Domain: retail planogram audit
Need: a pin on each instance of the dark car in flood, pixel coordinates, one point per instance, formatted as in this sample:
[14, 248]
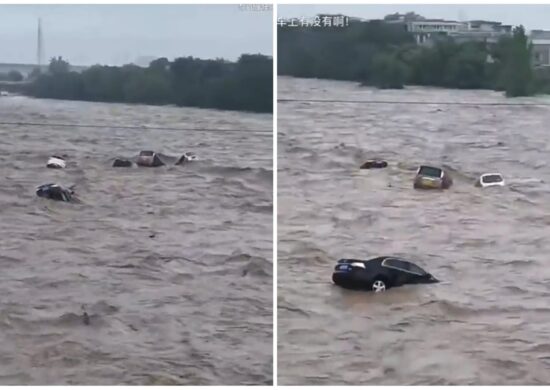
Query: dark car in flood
[429, 178]
[379, 274]
[55, 192]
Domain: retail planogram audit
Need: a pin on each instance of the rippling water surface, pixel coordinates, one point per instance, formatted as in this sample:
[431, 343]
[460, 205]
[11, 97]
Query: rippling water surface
[172, 264]
[489, 321]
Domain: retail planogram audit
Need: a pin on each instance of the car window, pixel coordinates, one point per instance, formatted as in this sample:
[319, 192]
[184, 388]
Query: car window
[416, 269]
[430, 171]
[492, 179]
[403, 265]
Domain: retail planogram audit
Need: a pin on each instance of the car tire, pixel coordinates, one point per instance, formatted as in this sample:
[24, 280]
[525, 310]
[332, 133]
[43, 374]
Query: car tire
[379, 284]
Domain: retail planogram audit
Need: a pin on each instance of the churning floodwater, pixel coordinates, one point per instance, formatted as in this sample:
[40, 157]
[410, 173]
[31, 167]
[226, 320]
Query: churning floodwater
[488, 322]
[172, 264]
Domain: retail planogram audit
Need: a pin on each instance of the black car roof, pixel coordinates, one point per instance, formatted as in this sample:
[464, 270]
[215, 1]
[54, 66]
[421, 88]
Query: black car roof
[374, 259]
[380, 261]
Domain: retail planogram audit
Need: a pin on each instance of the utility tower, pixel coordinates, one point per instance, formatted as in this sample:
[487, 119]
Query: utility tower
[39, 52]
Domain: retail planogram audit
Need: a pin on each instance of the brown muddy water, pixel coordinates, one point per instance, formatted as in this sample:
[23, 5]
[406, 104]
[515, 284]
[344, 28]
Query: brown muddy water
[488, 322]
[172, 264]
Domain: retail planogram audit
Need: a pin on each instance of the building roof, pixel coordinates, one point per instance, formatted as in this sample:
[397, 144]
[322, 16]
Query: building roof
[540, 34]
[485, 22]
[409, 16]
[436, 21]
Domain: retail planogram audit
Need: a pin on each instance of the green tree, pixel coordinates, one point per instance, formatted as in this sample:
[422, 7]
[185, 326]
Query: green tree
[517, 72]
[243, 85]
[35, 73]
[388, 72]
[15, 76]
[148, 87]
[466, 67]
[58, 66]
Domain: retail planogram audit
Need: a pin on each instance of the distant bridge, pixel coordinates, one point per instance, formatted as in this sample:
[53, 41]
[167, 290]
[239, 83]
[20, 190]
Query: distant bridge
[14, 86]
[26, 69]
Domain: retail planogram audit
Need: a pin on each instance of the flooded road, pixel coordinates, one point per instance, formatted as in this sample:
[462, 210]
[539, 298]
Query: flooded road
[172, 264]
[488, 322]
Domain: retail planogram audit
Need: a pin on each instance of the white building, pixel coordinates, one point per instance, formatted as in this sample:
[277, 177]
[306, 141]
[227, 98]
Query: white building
[483, 31]
[426, 31]
[540, 39]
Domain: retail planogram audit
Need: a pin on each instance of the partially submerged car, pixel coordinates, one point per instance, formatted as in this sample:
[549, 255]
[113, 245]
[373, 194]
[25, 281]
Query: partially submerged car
[429, 178]
[122, 163]
[490, 180]
[186, 157]
[56, 162]
[369, 164]
[379, 274]
[55, 192]
[148, 158]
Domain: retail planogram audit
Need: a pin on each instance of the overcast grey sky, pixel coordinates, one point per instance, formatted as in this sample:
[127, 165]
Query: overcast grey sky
[117, 34]
[531, 16]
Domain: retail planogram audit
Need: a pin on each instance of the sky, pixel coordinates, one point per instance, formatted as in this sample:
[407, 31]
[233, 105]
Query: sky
[120, 34]
[530, 16]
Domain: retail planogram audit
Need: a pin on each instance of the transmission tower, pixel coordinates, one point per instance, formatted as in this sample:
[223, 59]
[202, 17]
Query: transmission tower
[39, 45]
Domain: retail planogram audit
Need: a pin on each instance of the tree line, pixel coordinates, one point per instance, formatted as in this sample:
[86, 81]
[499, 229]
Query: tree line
[12, 75]
[246, 84]
[385, 55]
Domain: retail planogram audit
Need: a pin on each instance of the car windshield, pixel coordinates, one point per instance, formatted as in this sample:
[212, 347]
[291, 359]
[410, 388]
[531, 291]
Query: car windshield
[403, 265]
[146, 153]
[429, 171]
[492, 179]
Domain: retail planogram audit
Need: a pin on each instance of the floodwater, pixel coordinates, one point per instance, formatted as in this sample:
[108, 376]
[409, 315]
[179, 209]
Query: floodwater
[488, 322]
[173, 265]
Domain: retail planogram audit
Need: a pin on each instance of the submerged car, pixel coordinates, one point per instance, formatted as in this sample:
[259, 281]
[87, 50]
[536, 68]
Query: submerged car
[490, 180]
[55, 192]
[186, 157]
[428, 178]
[56, 162]
[148, 158]
[379, 274]
[374, 164]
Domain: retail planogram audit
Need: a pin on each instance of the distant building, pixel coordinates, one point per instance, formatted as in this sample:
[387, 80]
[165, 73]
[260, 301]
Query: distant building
[26, 69]
[540, 39]
[427, 31]
[483, 31]
[486, 26]
[402, 18]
